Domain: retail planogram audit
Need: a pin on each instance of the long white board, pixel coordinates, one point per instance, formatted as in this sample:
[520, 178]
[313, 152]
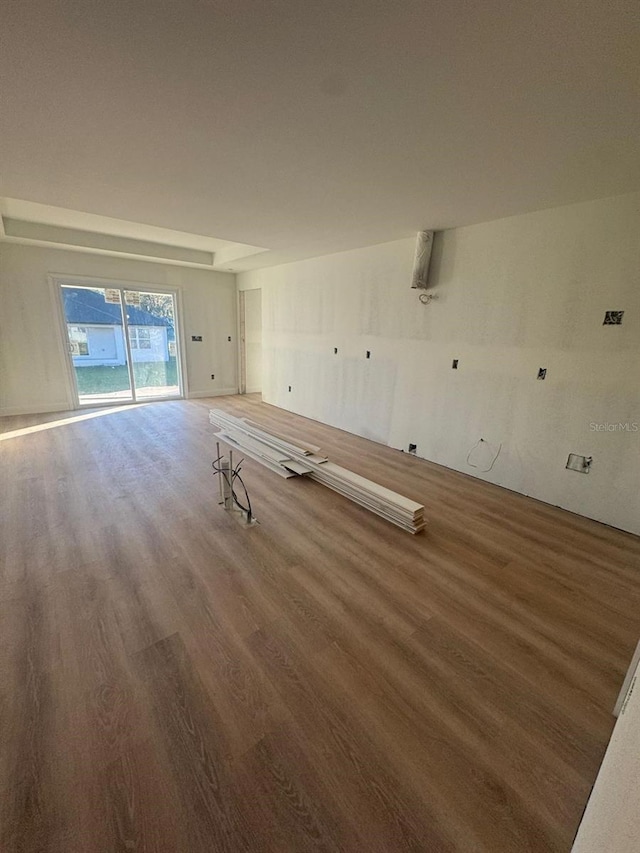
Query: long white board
[286, 457]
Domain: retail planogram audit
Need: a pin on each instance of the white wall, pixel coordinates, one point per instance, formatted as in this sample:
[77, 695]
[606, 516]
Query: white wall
[33, 376]
[513, 295]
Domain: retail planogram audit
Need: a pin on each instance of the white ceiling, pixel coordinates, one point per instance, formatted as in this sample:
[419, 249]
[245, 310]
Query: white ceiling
[309, 128]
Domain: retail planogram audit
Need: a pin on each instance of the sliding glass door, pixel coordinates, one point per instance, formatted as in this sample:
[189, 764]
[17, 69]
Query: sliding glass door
[122, 343]
[151, 321]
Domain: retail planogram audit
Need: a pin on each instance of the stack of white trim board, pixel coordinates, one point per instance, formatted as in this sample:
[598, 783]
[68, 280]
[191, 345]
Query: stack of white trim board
[289, 458]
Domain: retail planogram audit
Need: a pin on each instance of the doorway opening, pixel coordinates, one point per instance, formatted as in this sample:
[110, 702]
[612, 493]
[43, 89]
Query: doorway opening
[250, 341]
[123, 344]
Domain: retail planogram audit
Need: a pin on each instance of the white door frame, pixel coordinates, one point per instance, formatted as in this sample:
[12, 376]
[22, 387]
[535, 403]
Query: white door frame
[242, 354]
[58, 280]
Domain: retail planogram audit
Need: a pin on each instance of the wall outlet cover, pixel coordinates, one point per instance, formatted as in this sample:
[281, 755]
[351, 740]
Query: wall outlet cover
[582, 464]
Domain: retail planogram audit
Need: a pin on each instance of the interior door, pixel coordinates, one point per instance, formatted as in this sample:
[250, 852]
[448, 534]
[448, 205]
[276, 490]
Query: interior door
[251, 341]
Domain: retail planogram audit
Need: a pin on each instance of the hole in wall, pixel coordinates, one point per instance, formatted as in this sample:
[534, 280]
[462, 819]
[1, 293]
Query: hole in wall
[542, 373]
[454, 364]
[613, 318]
[582, 464]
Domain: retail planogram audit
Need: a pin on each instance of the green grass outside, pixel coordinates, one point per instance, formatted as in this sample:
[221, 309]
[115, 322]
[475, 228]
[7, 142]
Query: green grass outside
[107, 380]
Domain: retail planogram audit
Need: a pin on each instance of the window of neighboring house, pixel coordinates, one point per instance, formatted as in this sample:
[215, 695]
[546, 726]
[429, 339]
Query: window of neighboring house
[139, 338]
[78, 342]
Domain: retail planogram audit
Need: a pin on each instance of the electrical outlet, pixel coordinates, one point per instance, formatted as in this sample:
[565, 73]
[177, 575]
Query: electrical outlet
[289, 387]
[582, 464]
[213, 376]
[229, 338]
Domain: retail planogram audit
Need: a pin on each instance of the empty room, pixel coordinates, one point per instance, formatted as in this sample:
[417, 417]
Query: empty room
[320, 427]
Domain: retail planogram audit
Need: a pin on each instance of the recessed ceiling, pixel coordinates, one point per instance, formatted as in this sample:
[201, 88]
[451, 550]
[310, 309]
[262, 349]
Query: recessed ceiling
[40, 224]
[310, 128]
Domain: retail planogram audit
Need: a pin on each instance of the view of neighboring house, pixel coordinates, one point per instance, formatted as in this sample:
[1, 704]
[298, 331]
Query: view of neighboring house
[96, 332]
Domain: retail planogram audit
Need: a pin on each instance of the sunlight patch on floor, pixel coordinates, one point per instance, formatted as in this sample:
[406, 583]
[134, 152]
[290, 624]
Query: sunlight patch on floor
[16, 433]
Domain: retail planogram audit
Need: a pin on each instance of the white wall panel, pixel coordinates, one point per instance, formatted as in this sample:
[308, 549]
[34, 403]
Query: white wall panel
[33, 377]
[513, 295]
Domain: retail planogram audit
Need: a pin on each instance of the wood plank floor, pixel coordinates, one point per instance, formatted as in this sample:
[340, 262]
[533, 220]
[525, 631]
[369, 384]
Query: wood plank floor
[170, 681]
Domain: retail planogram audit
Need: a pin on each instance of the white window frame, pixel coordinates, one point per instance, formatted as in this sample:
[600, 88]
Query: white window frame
[83, 329]
[135, 340]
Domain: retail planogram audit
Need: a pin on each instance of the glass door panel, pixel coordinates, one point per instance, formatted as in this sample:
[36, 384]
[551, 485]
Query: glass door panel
[95, 331]
[153, 344]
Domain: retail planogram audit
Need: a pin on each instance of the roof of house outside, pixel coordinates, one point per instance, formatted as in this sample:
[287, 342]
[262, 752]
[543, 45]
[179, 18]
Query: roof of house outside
[85, 306]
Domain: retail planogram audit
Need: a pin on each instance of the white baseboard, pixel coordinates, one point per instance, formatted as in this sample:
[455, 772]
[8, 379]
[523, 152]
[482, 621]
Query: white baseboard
[7, 411]
[218, 392]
